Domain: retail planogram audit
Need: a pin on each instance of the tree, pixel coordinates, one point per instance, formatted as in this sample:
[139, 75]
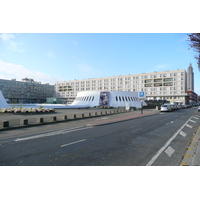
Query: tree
[194, 38]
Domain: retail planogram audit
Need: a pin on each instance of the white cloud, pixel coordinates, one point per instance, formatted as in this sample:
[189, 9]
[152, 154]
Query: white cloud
[8, 40]
[10, 71]
[51, 55]
[160, 67]
[74, 42]
[6, 36]
[86, 69]
[183, 39]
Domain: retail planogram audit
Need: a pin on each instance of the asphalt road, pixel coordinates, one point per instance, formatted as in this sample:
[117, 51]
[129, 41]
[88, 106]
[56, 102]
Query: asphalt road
[159, 140]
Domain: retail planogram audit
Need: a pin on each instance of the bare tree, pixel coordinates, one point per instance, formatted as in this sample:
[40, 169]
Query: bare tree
[194, 38]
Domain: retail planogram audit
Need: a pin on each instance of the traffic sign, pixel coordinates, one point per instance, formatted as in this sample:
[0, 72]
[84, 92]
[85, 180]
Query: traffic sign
[142, 95]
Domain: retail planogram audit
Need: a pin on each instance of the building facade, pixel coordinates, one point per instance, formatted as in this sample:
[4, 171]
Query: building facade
[26, 91]
[172, 86]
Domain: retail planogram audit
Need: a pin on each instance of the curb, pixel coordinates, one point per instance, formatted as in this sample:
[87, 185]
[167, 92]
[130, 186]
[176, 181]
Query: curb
[191, 150]
[51, 122]
[120, 120]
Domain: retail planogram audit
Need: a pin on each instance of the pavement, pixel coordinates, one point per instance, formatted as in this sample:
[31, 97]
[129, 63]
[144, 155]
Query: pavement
[192, 155]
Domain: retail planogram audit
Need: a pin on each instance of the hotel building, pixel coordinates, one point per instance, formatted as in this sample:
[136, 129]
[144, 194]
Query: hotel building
[172, 86]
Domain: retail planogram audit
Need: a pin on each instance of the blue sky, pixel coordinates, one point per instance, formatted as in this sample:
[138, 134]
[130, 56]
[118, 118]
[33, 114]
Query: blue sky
[51, 57]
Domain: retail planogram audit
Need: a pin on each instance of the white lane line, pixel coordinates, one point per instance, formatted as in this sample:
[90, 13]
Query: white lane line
[169, 123]
[189, 126]
[196, 117]
[193, 121]
[50, 134]
[166, 145]
[169, 151]
[64, 145]
[183, 133]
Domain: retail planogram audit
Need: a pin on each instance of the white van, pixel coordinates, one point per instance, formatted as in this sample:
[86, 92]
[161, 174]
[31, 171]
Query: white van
[165, 108]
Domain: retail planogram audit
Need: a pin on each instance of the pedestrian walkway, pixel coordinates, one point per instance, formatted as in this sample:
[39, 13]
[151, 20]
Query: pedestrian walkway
[192, 155]
[63, 115]
[122, 118]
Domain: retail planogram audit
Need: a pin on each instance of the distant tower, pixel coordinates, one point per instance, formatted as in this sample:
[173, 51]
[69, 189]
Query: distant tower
[190, 78]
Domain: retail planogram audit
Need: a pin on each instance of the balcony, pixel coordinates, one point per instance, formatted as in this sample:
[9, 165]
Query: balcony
[158, 80]
[148, 81]
[157, 84]
[148, 85]
[168, 84]
[167, 79]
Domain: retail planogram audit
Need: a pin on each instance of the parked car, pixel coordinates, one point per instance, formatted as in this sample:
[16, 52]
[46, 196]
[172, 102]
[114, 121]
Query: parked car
[172, 106]
[180, 106]
[198, 108]
[165, 108]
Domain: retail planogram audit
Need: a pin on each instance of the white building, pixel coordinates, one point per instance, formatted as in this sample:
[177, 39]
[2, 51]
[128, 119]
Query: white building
[166, 85]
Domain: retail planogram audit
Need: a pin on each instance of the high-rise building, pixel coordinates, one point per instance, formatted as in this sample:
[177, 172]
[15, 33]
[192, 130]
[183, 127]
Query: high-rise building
[166, 85]
[193, 97]
[190, 78]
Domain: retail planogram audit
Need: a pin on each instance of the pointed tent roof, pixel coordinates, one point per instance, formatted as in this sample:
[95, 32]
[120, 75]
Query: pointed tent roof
[3, 103]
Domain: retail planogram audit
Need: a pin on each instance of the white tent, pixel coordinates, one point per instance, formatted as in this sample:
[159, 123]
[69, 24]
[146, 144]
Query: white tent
[3, 103]
[110, 98]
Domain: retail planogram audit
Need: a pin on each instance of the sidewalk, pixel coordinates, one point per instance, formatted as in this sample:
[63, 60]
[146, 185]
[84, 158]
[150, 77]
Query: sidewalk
[67, 115]
[192, 155]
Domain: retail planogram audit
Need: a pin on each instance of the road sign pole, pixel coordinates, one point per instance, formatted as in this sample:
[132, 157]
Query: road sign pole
[141, 107]
[142, 97]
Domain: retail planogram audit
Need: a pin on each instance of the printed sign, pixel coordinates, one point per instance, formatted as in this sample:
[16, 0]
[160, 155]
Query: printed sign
[104, 98]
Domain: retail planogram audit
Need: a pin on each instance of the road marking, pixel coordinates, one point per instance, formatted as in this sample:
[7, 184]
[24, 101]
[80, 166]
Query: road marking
[169, 151]
[169, 123]
[183, 133]
[193, 121]
[188, 125]
[64, 145]
[52, 133]
[196, 117]
[166, 144]
[184, 163]
[187, 155]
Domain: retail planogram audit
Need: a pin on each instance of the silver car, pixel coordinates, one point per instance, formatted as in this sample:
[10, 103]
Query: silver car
[165, 108]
